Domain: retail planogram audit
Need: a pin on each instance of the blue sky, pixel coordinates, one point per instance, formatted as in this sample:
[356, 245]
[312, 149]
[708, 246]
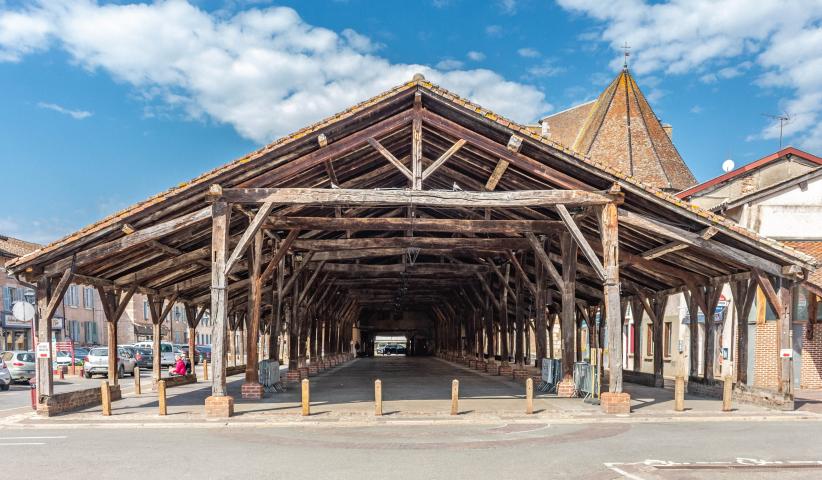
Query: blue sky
[105, 104]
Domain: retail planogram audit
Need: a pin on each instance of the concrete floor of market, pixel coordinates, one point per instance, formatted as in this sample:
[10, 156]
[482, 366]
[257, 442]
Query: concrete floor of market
[413, 387]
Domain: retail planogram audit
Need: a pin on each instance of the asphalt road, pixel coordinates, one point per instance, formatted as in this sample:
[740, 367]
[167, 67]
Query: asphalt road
[638, 451]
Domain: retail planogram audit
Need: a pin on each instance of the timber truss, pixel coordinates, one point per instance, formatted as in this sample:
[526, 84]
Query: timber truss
[416, 200]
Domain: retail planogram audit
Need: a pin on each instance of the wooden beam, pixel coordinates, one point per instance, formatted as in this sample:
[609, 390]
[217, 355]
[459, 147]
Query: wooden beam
[496, 175]
[416, 144]
[767, 288]
[536, 245]
[57, 295]
[521, 272]
[443, 158]
[391, 158]
[282, 249]
[438, 269]
[579, 238]
[500, 244]
[661, 250]
[248, 235]
[696, 240]
[419, 198]
[458, 226]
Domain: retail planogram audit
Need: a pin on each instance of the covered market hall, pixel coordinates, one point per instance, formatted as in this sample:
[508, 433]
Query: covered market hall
[483, 243]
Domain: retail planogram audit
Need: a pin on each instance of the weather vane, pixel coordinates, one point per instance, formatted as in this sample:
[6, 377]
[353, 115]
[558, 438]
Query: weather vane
[625, 50]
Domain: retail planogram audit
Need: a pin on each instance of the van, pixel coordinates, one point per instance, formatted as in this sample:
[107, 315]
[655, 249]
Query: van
[166, 351]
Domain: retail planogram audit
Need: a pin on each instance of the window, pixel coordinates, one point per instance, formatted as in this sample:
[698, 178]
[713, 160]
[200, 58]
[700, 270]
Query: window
[649, 342]
[8, 297]
[72, 298]
[88, 298]
[74, 330]
[145, 310]
[667, 333]
[90, 331]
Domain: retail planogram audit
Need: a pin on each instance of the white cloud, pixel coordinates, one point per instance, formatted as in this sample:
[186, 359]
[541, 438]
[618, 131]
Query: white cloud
[508, 7]
[696, 109]
[781, 37]
[547, 68]
[528, 52]
[266, 72]
[449, 64]
[75, 114]
[476, 56]
[493, 30]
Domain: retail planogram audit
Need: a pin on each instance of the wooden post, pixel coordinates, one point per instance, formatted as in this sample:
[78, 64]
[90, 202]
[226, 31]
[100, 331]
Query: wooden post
[540, 322]
[610, 248]
[529, 395]
[679, 393]
[693, 328]
[205, 369]
[568, 313]
[161, 397]
[455, 397]
[306, 403]
[784, 326]
[137, 388]
[378, 398]
[727, 393]
[252, 388]
[105, 396]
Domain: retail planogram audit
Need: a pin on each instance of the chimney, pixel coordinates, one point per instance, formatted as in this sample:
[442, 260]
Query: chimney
[546, 130]
[669, 130]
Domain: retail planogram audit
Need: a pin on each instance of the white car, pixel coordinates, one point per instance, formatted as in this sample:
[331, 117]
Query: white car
[97, 362]
[167, 351]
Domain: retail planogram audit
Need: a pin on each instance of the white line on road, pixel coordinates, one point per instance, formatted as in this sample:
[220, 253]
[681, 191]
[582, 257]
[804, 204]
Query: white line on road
[3, 439]
[15, 408]
[20, 443]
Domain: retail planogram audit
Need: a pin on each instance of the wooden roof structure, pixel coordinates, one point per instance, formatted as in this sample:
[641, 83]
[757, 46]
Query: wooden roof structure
[417, 199]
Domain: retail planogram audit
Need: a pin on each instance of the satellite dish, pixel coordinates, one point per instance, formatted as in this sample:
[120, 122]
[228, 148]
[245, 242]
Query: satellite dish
[23, 311]
[727, 165]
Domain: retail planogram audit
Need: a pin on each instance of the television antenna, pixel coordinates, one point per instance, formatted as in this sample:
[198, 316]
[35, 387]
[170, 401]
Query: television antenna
[784, 119]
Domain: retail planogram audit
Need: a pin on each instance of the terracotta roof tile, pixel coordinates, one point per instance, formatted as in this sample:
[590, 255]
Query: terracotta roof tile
[14, 247]
[814, 249]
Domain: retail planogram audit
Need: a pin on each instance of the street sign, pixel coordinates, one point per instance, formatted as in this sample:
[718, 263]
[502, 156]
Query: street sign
[43, 350]
[786, 353]
[23, 311]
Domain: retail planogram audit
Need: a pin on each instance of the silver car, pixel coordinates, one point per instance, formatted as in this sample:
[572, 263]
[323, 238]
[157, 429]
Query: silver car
[5, 376]
[21, 364]
[97, 362]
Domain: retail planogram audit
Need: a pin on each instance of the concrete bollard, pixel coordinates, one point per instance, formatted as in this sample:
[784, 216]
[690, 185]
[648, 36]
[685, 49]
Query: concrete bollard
[455, 397]
[161, 397]
[105, 396]
[529, 396]
[306, 403]
[378, 398]
[205, 370]
[137, 388]
[679, 394]
[727, 394]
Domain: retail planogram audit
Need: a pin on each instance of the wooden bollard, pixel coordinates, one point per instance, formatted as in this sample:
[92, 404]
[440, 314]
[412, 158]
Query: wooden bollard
[378, 398]
[61, 371]
[727, 394]
[529, 395]
[161, 397]
[137, 389]
[679, 394]
[105, 396]
[455, 397]
[205, 370]
[306, 403]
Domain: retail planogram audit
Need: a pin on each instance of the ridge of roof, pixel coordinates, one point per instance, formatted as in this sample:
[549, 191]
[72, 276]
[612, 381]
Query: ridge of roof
[16, 247]
[417, 82]
[750, 167]
[579, 105]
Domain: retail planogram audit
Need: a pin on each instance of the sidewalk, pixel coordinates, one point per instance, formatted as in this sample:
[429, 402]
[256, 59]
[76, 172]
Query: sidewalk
[414, 390]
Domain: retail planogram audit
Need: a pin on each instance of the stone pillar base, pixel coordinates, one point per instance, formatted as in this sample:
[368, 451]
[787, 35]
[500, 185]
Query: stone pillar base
[566, 388]
[219, 407]
[615, 402]
[252, 391]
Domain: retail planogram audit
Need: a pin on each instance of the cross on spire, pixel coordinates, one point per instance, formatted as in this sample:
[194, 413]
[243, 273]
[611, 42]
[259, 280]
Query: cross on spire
[627, 53]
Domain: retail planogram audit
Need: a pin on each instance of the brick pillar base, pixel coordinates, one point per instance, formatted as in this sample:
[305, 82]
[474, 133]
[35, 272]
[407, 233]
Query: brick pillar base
[293, 375]
[566, 388]
[520, 373]
[313, 368]
[303, 372]
[506, 370]
[480, 365]
[252, 391]
[615, 402]
[219, 407]
[492, 368]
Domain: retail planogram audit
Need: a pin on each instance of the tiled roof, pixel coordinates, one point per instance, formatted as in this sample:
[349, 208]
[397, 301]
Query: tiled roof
[753, 166]
[814, 249]
[14, 247]
[622, 130]
[564, 126]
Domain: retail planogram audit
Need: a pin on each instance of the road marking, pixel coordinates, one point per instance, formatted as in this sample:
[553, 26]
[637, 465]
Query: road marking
[15, 408]
[20, 443]
[2, 439]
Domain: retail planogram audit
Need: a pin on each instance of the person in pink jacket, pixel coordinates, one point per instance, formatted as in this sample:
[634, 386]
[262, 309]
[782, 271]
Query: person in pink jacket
[180, 366]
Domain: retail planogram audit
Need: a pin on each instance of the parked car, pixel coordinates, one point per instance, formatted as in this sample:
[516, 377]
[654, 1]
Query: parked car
[64, 358]
[166, 351]
[5, 376]
[144, 357]
[21, 364]
[203, 353]
[97, 362]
